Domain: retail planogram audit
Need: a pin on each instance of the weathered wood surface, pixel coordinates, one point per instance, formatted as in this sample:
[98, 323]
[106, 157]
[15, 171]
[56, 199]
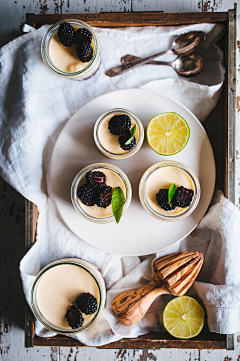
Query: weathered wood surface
[12, 303]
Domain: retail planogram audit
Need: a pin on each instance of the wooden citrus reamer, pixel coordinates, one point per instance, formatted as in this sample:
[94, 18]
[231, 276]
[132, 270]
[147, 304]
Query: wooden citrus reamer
[173, 274]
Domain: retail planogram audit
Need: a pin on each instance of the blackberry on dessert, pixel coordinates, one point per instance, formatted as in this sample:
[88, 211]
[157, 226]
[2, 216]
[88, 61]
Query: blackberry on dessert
[87, 194]
[84, 52]
[82, 35]
[119, 124]
[66, 34]
[105, 197]
[124, 138]
[74, 317]
[162, 200]
[87, 303]
[183, 197]
[96, 179]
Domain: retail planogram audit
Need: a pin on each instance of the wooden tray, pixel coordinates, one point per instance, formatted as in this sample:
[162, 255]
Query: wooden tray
[224, 146]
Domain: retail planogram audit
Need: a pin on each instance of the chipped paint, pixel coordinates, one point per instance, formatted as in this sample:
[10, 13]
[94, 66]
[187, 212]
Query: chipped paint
[121, 354]
[53, 354]
[238, 104]
[147, 356]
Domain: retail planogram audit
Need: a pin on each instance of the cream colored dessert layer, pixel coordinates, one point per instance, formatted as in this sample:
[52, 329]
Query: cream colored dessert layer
[110, 141]
[59, 287]
[65, 58]
[162, 178]
[112, 180]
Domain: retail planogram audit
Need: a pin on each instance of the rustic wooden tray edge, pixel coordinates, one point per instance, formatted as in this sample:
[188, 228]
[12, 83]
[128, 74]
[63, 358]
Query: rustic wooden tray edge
[152, 340]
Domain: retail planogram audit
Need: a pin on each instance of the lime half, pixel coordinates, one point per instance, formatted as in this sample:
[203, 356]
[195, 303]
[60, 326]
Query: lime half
[183, 317]
[167, 133]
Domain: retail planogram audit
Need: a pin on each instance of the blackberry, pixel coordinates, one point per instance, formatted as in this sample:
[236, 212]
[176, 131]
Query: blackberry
[82, 35]
[96, 179]
[84, 52]
[162, 200]
[119, 124]
[183, 197]
[105, 197]
[74, 317]
[123, 138]
[87, 303]
[66, 34]
[87, 195]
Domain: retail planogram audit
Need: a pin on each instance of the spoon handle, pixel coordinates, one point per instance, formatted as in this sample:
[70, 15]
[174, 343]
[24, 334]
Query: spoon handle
[131, 306]
[117, 70]
[128, 58]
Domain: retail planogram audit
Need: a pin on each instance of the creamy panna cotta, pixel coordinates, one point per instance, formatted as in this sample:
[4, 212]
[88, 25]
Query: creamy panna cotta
[94, 203]
[161, 176]
[108, 143]
[63, 60]
[57, 288]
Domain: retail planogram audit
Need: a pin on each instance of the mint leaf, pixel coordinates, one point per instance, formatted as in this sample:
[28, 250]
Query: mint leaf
[132, 133]
[171, 192]
[118, 200]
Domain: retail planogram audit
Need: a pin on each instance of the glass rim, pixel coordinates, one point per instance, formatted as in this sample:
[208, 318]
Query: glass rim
[180, 215]
[94, 273]
[51, 32]
[127, 153]
[119, 172]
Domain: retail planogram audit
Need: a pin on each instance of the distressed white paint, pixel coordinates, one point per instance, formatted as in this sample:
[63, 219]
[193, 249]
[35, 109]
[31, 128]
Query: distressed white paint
[12, 15]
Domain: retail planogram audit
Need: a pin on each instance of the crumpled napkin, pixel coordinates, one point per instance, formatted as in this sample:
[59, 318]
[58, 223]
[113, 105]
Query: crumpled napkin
[34, 106]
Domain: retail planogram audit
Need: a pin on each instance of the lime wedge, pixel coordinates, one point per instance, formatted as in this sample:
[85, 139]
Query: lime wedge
[183, 317]
[167, 133]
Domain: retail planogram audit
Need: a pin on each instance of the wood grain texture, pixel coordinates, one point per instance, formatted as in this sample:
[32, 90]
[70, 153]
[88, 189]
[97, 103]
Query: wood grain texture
[173, 274]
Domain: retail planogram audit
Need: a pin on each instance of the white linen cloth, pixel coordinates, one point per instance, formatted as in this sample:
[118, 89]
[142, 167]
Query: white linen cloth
[34, 106]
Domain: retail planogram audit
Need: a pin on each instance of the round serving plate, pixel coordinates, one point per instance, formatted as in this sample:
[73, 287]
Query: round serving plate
[137, 233]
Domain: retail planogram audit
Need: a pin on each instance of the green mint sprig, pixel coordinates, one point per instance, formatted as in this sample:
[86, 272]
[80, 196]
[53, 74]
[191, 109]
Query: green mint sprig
[171, 193]
[132, 133]
[118, 200]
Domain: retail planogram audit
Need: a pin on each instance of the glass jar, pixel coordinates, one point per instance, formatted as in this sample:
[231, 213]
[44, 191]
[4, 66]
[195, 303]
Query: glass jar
[57, 287]
[160, 176]
[108, 143]
[115, 177]
[89, 69]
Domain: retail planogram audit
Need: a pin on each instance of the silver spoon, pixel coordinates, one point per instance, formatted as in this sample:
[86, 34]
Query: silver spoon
[186, 65]
[184, 44]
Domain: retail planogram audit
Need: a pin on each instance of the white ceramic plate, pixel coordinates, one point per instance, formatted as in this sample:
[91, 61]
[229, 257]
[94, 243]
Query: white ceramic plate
[137, 233]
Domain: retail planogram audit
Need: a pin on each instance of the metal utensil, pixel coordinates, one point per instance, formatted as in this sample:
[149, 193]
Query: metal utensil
[173, 275]
[186, 65]
[184, 44]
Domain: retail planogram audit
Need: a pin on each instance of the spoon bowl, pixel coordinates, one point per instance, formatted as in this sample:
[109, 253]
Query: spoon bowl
[184, 44]
[186, 65]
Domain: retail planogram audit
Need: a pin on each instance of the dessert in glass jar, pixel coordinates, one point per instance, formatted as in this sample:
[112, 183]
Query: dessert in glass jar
[169, 190]
[71, 49]
[92, 189]
[68, 295]
[118, 133]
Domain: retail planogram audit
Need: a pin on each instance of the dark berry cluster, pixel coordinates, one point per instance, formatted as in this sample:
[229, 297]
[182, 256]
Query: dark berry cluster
[74, 317]
[87, 303]
[82, 37]
[120, 125]
[95, 190]
[182, 198]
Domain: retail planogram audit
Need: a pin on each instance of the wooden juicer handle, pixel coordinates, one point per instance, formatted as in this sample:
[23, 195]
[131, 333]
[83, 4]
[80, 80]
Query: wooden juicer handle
[173, 274]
